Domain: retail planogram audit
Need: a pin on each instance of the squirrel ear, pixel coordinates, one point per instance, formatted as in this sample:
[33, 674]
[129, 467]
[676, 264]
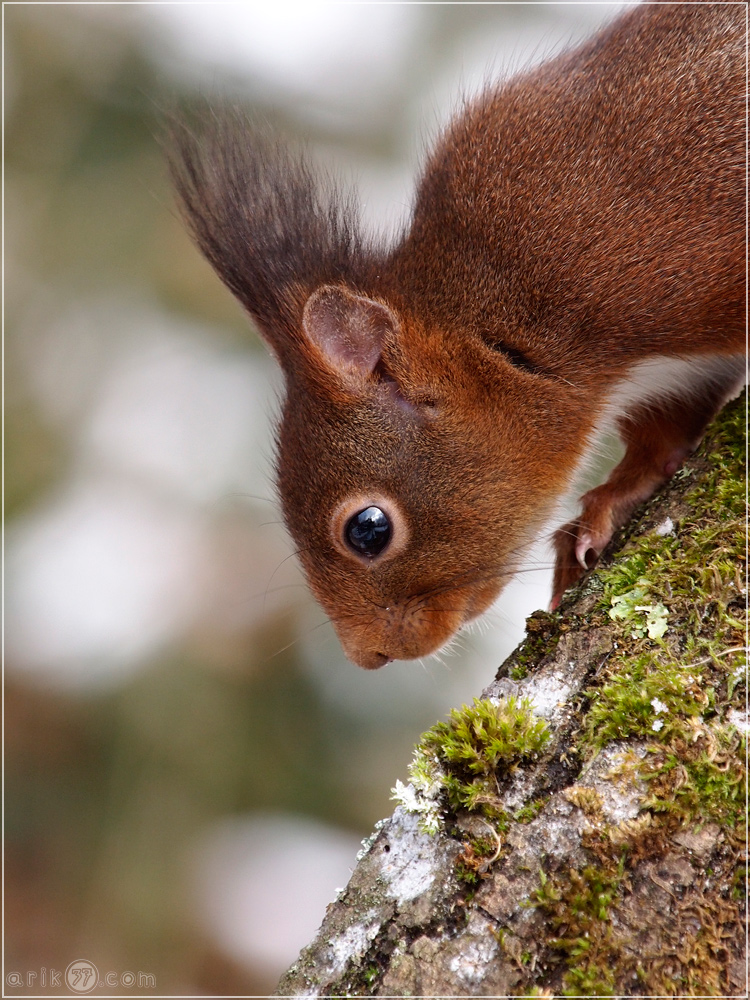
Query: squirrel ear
[348, 329]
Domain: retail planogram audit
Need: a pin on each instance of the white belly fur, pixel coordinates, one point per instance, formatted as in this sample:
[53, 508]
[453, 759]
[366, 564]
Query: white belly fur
[661, 377]
[648, 382]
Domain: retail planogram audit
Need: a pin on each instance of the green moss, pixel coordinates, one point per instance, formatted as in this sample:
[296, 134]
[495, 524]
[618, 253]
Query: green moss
[480, 744]
[700, 780]
[642, 697]
[577, 906]
[542, 636]
[704, 556]
[473, 862]
[531, 810]
[739, 884]
[677, 602]
[695, 761]
[461, 763]
[370, 974]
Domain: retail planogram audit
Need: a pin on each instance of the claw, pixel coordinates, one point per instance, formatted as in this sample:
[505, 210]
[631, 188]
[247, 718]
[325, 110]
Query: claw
[584, 546]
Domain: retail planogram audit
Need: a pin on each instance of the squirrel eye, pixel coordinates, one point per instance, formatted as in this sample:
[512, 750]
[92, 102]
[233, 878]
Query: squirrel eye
[368, 532]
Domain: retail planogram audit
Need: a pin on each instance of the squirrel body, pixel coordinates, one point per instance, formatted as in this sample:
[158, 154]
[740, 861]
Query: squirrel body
[575, 257]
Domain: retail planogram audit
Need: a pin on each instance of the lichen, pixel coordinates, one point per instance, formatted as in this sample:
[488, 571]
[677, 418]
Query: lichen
[644, 618]
[409, 862]
[352, 943]
[423, 802]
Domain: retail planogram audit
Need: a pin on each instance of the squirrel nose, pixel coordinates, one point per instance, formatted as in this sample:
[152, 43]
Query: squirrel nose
[373, 660]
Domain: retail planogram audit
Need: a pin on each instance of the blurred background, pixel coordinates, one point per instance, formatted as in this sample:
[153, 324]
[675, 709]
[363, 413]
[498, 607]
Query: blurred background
[190, 762]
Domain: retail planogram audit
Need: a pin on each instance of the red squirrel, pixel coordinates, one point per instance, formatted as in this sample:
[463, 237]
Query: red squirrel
[575, 255]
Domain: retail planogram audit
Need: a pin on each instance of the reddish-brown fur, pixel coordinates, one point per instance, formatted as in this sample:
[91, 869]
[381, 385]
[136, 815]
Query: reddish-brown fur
[572, 223]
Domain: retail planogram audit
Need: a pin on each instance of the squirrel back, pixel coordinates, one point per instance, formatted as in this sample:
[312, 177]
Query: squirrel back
[572, 224]
[598, 196]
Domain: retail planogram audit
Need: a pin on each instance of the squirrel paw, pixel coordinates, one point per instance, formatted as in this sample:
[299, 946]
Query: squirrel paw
[578, 545]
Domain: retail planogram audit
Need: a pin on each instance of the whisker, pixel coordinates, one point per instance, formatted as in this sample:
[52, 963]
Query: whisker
[270, 579]
[565, 531]
[225, 498]
[294, 642]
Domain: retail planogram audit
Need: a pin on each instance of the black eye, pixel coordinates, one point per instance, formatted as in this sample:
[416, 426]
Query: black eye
[368, 532]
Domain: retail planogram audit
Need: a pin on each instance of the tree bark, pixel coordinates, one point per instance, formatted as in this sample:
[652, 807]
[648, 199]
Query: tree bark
[614, 863]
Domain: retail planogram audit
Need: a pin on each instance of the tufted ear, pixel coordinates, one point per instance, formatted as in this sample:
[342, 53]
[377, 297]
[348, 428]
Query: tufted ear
[350, 330]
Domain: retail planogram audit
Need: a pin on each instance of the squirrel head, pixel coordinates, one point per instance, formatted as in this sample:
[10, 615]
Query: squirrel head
[416, 457]
[407, 479]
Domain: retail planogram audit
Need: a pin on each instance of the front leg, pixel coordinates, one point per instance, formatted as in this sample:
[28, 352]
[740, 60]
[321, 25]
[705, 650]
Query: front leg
[658, 438]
